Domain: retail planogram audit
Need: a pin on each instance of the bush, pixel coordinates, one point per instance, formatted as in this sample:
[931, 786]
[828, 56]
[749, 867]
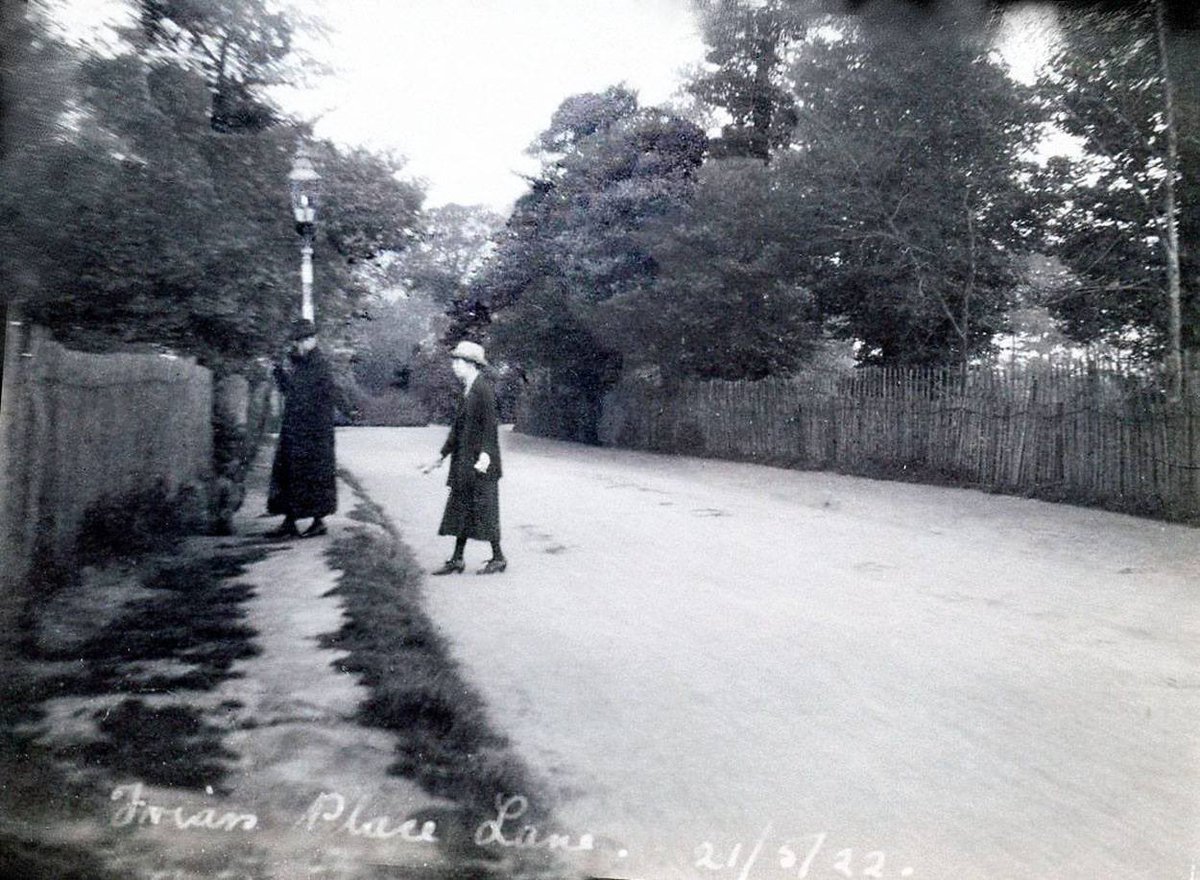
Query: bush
[392, 409]
[141, 522]
[433, 383]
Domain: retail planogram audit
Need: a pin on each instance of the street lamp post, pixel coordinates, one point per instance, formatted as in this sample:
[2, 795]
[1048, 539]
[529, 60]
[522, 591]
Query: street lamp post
[305, 185]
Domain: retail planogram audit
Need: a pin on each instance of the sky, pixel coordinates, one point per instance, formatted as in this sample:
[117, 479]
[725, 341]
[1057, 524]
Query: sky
[461, 87]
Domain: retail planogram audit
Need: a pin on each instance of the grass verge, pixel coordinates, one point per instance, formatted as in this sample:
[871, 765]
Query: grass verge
[178, 631]
[33, 860]
[132, 637]
[445, 741]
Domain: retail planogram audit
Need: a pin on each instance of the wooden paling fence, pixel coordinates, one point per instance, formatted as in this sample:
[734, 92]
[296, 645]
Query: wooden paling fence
[78, 430]
[1086, 433]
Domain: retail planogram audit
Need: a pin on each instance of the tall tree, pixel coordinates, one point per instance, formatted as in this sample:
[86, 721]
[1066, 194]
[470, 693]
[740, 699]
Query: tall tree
[610, 167]
[135, 221]
[368, 211]
[451, 249]
[912, 190]
[728, 300]
[1127, 217]
[240, 47]
[748, 49]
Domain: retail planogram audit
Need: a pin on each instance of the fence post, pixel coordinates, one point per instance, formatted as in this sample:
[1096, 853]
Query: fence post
[1189, 414]
[14, 473]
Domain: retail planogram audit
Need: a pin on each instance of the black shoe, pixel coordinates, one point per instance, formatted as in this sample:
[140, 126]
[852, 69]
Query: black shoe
[317, 528]
[451, 566]
[494, 566]
[287, 530]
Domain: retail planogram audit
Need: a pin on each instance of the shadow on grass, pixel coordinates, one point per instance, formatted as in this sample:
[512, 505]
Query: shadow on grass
[181, 634]
[33, 860]
[195, 621]
[168, 745]
[33, 786]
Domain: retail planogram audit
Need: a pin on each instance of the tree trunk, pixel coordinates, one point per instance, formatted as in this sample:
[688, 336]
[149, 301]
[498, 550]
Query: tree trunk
[763, 109]
[1174, 318]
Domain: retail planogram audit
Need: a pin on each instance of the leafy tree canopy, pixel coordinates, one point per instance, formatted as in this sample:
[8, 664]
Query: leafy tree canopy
[749, 45]
[1106, 214]
[240, 47]
[133, 221]
[452, 246]
[609, 167]
[913, 191]
[727, 301]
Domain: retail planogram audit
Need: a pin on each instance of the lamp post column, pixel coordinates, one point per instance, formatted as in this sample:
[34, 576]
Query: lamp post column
[306, 280]
[305, 185]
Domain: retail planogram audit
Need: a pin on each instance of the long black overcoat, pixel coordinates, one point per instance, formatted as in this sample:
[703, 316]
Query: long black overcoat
[473, 508]
[304, 473]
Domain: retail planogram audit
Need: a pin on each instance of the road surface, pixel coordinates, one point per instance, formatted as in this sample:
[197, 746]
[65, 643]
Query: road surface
[730, 671]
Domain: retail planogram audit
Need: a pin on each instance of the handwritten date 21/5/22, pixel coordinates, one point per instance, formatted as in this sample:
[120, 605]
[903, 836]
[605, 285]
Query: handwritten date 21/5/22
[810, 856]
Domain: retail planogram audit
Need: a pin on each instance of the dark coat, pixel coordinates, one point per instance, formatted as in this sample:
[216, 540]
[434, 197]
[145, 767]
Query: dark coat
[304, 473]
[473, 508]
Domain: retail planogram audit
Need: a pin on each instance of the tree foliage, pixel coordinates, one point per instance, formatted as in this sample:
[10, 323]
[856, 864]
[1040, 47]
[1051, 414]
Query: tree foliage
[240, 47]
[574, 241]
[1108, 218]
[898, 209]
[888, 213]
[134, 221]
[912, 191]
[367, 210]
[609, 167]
[389, 343]
[728, 300]
[452, 247]
[749, 45]
[414, 288]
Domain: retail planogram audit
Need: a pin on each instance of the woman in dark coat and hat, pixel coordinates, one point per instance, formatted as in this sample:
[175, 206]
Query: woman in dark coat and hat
[304, 473]
[473, 447]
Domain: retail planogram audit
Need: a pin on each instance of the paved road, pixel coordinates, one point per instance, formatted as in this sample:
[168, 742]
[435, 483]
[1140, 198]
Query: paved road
[723, 669]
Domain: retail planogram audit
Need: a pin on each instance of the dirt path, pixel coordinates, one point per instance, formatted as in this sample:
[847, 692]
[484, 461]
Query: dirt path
[732, 671]
[301, 788]
[307, 762]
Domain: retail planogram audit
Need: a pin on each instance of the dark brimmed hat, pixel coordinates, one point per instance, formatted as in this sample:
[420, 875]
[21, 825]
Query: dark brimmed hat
[303, 329]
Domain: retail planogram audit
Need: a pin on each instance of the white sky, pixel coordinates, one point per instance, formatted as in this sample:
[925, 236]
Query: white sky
[1027, 38]
[461, 87]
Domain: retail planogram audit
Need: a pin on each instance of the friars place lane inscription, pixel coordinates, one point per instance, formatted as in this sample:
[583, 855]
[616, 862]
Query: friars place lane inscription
[333, 813]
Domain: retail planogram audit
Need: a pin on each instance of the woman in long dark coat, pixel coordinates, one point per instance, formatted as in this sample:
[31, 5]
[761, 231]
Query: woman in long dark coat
[304, 473]
[473, 447]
